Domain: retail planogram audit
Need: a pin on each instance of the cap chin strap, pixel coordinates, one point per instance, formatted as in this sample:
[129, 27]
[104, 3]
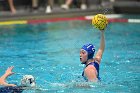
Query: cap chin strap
[84, 62]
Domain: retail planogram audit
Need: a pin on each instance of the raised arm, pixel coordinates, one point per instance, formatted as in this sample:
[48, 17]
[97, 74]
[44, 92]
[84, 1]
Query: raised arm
[100, 51]
[4, 77]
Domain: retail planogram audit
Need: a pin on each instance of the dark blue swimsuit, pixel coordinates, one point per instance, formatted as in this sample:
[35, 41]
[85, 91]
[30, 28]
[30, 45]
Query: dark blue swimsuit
[10, 89]
[96, 65]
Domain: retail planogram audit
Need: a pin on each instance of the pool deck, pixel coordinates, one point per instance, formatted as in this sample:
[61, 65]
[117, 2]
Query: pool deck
[120, 7]
[57, 12]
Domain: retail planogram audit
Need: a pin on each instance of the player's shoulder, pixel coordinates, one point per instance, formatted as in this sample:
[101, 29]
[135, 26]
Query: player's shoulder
[89, 68]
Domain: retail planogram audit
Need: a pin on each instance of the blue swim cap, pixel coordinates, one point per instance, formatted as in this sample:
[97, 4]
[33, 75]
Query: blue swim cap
[90, 50]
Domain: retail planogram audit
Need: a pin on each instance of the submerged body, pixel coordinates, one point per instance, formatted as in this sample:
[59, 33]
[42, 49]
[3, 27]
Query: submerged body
[11, 89]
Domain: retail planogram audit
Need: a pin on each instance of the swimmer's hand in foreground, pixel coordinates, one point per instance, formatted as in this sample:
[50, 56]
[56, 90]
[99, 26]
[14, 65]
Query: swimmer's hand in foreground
[3, 78]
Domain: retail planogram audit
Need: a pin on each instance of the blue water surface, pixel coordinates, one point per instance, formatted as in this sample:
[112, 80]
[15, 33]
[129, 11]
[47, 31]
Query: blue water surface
[50, 52]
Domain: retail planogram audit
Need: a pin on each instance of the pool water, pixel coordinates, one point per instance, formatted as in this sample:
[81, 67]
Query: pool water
[50, 52]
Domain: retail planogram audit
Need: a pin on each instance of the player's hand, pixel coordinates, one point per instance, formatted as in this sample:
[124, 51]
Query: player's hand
[9, 71]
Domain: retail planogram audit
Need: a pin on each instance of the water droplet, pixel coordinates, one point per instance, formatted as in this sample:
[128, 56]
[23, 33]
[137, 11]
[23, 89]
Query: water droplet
[127, 61]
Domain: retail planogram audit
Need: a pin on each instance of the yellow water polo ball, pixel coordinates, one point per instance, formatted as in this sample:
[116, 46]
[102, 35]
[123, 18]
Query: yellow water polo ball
[99, 21]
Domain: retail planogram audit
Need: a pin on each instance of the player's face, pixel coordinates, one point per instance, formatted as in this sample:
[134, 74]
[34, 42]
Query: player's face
[83, 55]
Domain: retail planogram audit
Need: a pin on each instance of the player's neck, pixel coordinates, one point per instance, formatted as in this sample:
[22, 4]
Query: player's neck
[89, 61]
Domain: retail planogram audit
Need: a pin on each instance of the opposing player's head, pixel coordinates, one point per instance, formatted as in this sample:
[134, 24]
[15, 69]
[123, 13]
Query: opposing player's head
[87, 52]
[28, 81]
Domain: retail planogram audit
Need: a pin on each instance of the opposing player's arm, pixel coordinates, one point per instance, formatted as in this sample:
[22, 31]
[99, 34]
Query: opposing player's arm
[3, 78]
[100, 51]
[6, 84]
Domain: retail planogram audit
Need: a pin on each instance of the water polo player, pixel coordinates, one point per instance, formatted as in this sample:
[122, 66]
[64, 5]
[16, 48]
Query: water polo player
[27, 82]
[91, 70]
